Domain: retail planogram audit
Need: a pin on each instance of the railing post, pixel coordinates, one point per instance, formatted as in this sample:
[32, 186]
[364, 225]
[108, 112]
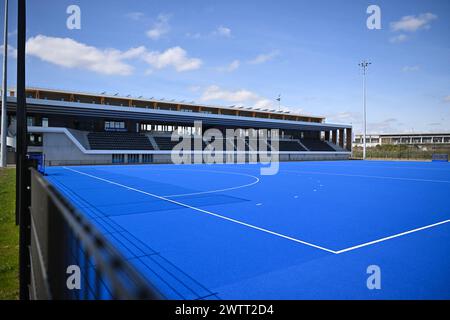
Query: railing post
[22, 184]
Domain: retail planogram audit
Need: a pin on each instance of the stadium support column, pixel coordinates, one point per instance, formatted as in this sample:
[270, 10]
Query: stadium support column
[334, 137]
[348, 136]
[341, 138]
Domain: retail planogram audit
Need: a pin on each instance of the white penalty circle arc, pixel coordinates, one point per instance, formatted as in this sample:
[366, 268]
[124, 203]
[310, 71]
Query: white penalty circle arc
[257, 180]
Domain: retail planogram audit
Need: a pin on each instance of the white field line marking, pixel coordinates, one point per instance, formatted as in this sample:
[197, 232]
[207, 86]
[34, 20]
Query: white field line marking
[391, 237]
[204, 211]
[366, 176]
[375, 166]
[257, 180]
[217, 190]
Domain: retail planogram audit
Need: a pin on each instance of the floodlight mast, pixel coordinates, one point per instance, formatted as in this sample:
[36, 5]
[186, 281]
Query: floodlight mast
[364, 65]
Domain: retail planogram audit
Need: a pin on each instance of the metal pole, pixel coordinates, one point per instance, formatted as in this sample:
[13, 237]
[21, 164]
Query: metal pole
[364, 115]
[4, 123]
[364, 65]
[22, 174]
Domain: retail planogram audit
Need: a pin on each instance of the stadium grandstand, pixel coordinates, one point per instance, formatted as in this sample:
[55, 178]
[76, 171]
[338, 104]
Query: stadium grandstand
[72, 128]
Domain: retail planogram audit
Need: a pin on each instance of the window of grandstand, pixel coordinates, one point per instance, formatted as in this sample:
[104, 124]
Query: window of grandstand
[30, 121]
[118, 158]
[35, 140]
[114, 126]
[133, 158]
[45, 122]
[147, 158]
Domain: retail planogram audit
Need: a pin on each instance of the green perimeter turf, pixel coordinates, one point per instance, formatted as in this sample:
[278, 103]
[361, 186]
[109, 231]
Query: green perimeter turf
[9, 237]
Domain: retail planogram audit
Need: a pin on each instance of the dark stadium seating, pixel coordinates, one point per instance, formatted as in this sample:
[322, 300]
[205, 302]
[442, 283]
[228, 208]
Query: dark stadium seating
[119, 141]
[165, 143]
[290, 145]
[137, 141]
[316, 145]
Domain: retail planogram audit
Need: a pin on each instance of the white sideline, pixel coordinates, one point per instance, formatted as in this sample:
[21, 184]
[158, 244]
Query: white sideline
[392, 237]
[262, 229]
[366, 176]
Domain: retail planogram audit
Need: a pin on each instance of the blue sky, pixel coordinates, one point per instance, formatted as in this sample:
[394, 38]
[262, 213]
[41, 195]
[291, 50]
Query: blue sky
[248, 52]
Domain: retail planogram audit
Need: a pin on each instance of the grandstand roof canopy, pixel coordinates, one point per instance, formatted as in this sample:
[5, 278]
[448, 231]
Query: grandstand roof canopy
[47, 101]
[116, 99]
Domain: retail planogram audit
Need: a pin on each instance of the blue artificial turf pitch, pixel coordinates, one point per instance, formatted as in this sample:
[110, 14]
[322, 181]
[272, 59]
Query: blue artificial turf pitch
[308, 232]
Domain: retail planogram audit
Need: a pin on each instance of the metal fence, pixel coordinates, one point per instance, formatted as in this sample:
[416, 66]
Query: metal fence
[394, 155]
[63, 242]
[401, 152]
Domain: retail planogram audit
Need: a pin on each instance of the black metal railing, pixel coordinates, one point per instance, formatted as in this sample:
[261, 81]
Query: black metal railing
[64, 246]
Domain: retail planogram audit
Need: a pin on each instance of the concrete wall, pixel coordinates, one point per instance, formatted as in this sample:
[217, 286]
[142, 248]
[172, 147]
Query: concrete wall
[10, 157]
[282, 157]
[314, 157]
[60, 150]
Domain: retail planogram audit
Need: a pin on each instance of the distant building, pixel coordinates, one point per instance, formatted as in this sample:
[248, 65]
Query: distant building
[373, 140]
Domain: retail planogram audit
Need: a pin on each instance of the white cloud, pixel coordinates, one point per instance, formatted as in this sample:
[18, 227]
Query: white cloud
[160, 27]
[219, 32]
[196, 35]
[194, 88]
[410, 68]
[264, 57]
[12, 33]
[447, 98]
[69, 53]
[12, 52]
[399, 38]
[344, 117]
[413, 23]
[135, 15]
[237, 97]
[223, 31]
[264, 103]
[216, 93]
[231, 67]
[175, 57]
[390, 125]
